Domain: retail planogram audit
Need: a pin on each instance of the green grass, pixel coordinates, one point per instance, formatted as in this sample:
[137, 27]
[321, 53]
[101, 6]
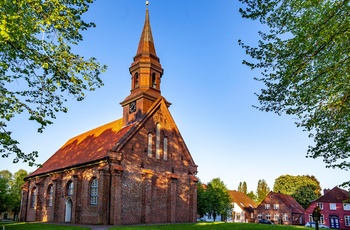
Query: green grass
[38, 226]
[210, 225]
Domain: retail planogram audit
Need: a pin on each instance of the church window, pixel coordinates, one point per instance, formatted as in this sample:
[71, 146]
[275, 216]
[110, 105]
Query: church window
[94, 192]
[165, 148]
[150, 144]
[154, 81]
[70, 187]
[34, 197]
[136, 80]
[158, 141]
[50, 195]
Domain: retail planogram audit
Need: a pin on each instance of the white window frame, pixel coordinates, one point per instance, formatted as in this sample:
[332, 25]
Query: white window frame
[94, 192]
[267, 206]
[320, 205]
[346, 206]
[150, 145]
[276, 217]
[268, 216]
[285, 217]
[260, 216]
[332, 206]
[347, 220]
[276, 206]
[165, 148]
[70, 188]
[50, 195]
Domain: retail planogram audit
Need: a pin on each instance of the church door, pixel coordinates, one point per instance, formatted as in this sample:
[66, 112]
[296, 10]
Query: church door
[334, 221]
[68, 215]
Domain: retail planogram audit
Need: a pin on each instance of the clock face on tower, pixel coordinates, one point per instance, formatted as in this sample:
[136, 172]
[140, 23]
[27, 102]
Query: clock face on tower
[132, 107]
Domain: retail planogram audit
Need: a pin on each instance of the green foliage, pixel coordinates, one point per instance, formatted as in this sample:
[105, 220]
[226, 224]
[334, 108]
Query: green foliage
[242, 187]
[38, 70]
[252, 196]
[302, 188]
[213, 199]
[304, 61]
[10, 190]
[262, 190]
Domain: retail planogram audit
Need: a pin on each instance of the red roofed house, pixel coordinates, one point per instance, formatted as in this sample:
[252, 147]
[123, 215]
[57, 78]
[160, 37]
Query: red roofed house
[335, 208]
[133, 170]
[243, 207]
[281, 209]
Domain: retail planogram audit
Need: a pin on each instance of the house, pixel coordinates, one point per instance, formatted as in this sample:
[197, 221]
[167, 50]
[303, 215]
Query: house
[335, 208]
[133, 170]
[243, 207]
[280, 208]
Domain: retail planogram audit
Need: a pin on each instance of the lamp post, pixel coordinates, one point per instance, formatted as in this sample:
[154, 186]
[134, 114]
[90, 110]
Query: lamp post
[316, 214]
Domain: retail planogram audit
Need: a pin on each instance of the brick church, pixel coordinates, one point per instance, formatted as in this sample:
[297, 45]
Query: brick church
[133, 170]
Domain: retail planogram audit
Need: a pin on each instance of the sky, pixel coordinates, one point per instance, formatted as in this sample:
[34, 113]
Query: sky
[211, 91]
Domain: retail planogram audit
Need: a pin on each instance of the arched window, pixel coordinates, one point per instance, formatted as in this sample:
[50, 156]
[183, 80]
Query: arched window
[158, 141]
[165, 148]
[49, 195]
[70, 188]
[150, 144]
[136, 80]
[34, 197]
[94, 192]
[154, 80]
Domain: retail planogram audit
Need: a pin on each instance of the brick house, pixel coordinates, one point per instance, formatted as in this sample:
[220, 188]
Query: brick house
[133, 170]
[243, 207]
[335, 212]
[281, 209]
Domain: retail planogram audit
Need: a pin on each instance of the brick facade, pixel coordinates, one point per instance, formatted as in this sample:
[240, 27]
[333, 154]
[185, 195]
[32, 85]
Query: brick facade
[144, 172]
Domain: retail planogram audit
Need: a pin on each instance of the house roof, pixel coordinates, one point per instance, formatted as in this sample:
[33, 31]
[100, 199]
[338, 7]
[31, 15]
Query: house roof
[289, 201]
[335, 195]
[242, 199]
[87, 147]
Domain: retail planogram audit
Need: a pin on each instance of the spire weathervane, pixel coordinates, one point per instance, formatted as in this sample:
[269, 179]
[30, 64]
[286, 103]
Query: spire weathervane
[146, 3]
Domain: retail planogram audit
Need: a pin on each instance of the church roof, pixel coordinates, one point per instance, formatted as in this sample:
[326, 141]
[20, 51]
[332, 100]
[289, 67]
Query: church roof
[335, 195]
[146, 43]
[87, 147]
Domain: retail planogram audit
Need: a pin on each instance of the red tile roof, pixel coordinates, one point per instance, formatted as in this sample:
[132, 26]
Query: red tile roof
[335, 195]
[290, 202]
[242, 199]
[84, 148]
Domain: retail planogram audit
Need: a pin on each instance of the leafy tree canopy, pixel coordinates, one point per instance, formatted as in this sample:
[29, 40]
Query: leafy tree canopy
[262, 190]
[302, 188]
[242, 187]
[38, 69]
[304, 62]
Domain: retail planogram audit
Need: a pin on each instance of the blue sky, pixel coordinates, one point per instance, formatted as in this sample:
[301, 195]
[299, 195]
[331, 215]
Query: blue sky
[211, 92]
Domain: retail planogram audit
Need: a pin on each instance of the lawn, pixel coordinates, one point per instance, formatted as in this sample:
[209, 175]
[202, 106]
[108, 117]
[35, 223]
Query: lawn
[199, 226]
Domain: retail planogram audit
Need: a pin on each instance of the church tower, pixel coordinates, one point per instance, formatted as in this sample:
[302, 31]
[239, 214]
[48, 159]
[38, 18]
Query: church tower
[146, 73]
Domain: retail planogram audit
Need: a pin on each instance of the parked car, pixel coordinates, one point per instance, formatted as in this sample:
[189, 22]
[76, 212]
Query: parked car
[312, 224]
[263, 221]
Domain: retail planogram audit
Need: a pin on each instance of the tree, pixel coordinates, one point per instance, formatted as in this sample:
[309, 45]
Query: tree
[303, 189]
[10, 190]
[37, 67]
[252, 196]
[243, 187]
[304, 62]
[262, 190]
[213, 199]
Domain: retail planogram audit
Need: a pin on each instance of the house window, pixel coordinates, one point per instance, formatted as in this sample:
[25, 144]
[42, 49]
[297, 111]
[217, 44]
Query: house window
[347, 220]
[49, 195]
[165, 148]
[321, 221]
[346, 206]
[285, 217]
[238, 216]
[267, 206]
[94, 192]
[34, 198]
[276, 206]
[158, 141]
[70, 187]
[311, 219]
[259, 216]
[333, 206]
[150, 144]
[268, 217]
[320, 205]
[276, 217]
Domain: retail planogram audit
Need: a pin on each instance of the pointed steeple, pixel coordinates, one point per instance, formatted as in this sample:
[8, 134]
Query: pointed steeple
[146, 73]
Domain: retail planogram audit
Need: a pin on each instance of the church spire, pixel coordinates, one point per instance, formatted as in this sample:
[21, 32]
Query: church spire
[146, 73]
